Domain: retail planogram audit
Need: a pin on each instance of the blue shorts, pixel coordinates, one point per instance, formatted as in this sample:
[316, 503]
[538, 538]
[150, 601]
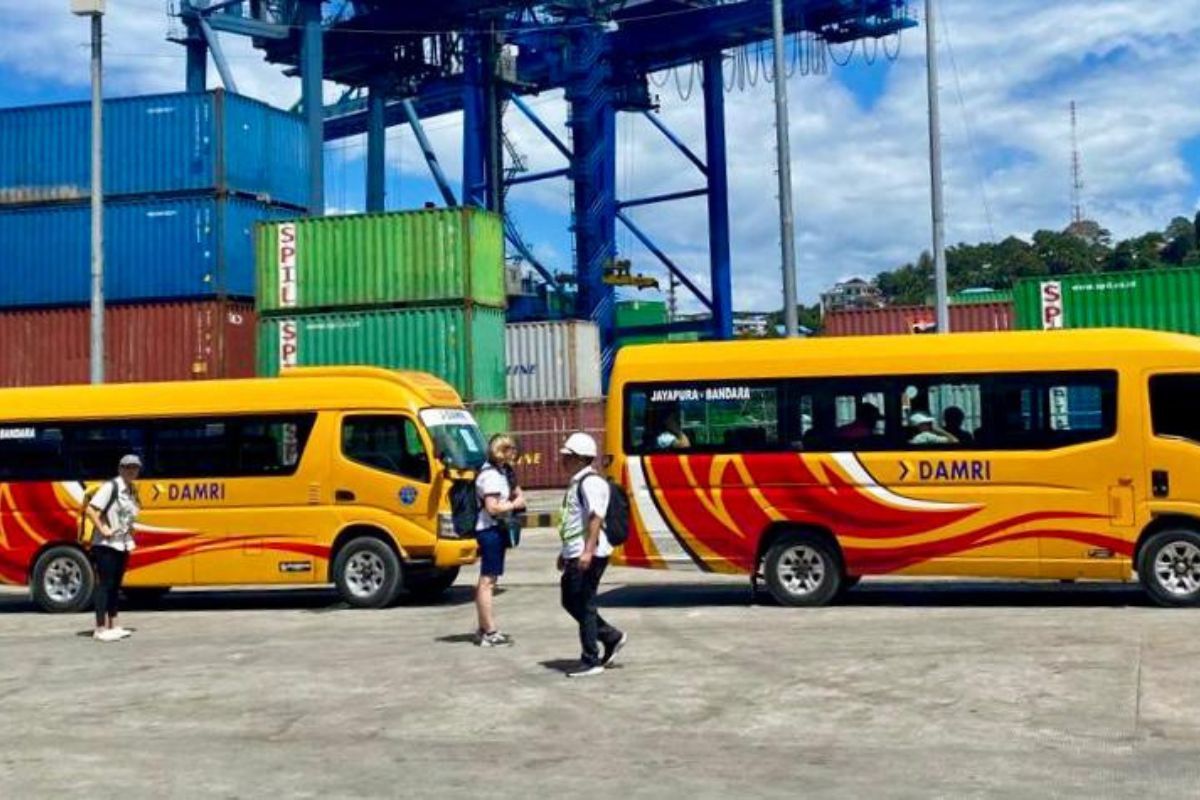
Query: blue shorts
[492, 544]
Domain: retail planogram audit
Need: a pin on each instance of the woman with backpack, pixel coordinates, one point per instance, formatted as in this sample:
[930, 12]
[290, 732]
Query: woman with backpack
[113, 510]
[498, 499]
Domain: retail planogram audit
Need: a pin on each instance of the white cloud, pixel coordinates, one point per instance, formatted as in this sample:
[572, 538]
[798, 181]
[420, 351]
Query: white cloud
[860, 176]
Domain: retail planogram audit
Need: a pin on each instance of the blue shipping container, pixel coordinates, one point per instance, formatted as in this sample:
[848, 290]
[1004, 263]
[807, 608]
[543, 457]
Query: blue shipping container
[190, 247]
[155, 144]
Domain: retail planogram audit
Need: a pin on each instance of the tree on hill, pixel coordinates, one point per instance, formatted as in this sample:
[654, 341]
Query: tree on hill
[1084, 247]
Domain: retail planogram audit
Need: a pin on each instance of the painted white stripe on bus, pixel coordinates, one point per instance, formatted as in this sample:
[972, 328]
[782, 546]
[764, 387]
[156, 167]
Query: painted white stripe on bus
[673, 555]
[865, 481]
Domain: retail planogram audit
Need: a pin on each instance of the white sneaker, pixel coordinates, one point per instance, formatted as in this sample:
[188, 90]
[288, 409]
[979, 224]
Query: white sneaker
[122, 633]
[106, 635]
[586, 671]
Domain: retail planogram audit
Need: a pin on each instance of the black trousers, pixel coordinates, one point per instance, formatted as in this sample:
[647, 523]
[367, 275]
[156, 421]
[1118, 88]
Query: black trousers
[579, 589]
[110, 571]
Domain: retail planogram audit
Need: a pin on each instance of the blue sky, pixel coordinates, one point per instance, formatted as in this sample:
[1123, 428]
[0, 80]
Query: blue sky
[860, 152]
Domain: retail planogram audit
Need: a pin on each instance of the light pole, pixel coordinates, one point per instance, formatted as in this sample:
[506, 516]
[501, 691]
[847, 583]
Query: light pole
[783, 146]
[935, 172]
[95, 10]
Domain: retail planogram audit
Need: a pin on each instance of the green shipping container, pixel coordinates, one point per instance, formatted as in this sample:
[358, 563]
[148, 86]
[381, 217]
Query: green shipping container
[492, 418]
[975, 298]
[1160, 299]
[631, 313]
[463, 345]
[409, 257]
[636, 313]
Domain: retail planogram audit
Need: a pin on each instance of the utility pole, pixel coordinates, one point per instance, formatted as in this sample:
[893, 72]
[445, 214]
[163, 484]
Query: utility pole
[783, 147]
[1076, 173]
[95, 10]
[935, 172]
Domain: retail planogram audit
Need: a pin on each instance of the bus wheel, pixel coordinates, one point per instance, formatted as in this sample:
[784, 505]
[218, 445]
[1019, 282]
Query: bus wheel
[63, 580]
[144, 595]
[367, 573]
[802, 572]
[1169, 567]
[426, 586]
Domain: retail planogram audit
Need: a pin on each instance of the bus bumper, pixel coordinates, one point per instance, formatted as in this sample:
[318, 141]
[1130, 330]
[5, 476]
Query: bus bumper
[454, 553]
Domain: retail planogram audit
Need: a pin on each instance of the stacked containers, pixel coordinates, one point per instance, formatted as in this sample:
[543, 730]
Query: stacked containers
[186, 178]
[419, 290]
[555, 388]
[1158, 299]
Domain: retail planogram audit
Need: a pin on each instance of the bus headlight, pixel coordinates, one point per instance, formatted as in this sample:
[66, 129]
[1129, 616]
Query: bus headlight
[445, 527]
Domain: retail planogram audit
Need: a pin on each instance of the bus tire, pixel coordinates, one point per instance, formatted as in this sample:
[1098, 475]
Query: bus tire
[429, 586]
[1169, 567]
[63, 580]
[803, 571]
[367, 573]
[144, 595]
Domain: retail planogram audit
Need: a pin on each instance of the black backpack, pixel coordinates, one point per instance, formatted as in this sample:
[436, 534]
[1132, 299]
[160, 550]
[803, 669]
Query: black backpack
[464, 505]
[464, 508]
[616, 519]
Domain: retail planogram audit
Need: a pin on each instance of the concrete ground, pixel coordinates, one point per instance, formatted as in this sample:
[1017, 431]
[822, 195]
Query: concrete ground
[907, 690]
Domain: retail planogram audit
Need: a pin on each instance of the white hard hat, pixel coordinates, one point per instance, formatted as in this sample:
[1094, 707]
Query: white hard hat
[131, 460]
[579, 444]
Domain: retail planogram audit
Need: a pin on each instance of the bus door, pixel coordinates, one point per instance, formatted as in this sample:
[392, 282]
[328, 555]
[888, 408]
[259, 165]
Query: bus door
[385, 473]
[1171, 475]
[1061, 445]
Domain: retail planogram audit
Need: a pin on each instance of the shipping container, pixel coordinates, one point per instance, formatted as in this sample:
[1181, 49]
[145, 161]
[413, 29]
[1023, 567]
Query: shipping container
[631, 313]
[416, 257]
[463, 345]
[155, 144]
[975, 317]
[977, 296]
[1160, 299]
[160, 342]
[493, 418]
[183, 247]
[550, 361]
[540, 430]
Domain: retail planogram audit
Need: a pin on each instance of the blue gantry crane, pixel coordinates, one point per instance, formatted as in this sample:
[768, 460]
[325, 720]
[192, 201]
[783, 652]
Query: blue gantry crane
[402, 61]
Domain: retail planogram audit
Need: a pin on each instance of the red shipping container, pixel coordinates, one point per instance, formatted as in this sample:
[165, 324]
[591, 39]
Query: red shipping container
[891, 320]
[541, 428]
[143, 342]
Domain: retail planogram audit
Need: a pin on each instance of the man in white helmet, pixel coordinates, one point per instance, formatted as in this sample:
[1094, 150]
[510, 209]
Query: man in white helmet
[585, 552]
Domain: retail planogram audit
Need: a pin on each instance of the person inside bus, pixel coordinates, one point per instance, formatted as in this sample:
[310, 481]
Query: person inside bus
[668, 430]
[864, 425]
[953, 419]
[927, 431]
[113, 510]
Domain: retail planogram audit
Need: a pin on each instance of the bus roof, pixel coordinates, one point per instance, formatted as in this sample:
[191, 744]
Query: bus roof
[1099, 348]
[296, 390]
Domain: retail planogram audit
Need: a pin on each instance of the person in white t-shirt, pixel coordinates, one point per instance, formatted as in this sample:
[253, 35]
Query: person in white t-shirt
[927, 430]
[585, 553]
[113, 510]
[497, 500]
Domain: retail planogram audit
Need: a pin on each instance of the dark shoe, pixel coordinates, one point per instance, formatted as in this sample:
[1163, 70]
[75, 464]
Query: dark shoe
[586, 671]
[610, 651]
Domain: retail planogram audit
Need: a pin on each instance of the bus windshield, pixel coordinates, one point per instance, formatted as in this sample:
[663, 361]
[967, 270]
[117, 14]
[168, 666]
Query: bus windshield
[456, 437]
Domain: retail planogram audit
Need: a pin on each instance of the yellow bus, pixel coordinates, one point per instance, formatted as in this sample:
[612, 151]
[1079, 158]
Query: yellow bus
[811, 463]
[325, 475]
